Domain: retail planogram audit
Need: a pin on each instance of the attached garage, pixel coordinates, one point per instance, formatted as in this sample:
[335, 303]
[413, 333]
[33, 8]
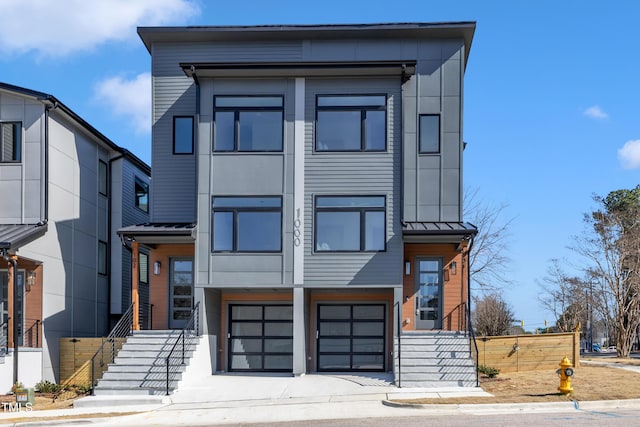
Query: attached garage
[351, 337]
[260, 337]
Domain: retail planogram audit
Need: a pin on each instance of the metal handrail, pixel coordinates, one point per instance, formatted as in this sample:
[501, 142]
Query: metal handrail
[475, 344]
[122, 329]
[399, 331]
[4, 338]
[192, 325]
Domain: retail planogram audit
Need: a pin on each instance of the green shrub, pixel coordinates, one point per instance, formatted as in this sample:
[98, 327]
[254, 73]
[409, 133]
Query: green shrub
[488, 371]
[48, 387]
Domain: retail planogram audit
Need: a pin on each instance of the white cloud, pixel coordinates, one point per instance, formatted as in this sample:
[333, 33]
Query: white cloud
[629, 154]
[595, 112]
[61, 27]
[130, 99]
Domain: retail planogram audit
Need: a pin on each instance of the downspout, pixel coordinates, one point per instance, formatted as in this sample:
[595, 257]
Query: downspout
[14, 267]
[195, 138]
[109, 225]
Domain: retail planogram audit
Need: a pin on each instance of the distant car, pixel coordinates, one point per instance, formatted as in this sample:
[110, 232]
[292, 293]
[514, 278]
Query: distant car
[612, 349]
[597, 348]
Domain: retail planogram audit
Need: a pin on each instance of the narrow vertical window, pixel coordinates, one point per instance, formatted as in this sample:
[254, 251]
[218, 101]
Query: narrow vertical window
[430, 134]
[141, 191]
[10, 142]
[103, 178]
[143, 267]
[183, 135]
[102, 258]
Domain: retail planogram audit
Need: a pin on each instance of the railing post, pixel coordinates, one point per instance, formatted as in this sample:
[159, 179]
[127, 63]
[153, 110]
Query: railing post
[183, 347]
[168, 375]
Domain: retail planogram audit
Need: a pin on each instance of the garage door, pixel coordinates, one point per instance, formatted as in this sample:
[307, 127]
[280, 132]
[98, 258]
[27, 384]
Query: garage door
[351, 337]
[261, 338]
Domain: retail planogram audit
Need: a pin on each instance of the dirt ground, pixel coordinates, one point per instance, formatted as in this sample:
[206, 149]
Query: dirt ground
[589, 383]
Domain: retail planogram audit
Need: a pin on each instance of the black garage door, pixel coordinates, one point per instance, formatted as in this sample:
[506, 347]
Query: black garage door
[351, 337]
[261, 338]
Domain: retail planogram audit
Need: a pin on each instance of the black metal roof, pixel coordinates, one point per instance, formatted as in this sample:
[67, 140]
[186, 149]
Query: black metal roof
[423, 228]
[158, 229]
[12, 236]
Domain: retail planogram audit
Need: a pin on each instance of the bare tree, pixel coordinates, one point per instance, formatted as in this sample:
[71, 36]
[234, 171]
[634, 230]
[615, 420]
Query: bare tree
[611, 248]
[567, 297]
[488, 261]
[492, 315]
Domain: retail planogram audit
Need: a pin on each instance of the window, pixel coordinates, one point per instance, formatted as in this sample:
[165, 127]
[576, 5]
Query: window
[430, 134]
[10, 141]
[142, 195]
[350, 223]
[102, 258]
[248, 123]
[183, 135]
[103, 186]
[351, 123]
[247, 224]
[143, 268]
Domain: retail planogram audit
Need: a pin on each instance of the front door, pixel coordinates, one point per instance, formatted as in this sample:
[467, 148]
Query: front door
[4, 306]
[428, 296]
[180, 292]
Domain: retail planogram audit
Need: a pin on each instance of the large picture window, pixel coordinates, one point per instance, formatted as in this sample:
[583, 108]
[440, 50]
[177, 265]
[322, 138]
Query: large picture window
[350, 223]
[247, 224]
[248, 123]
[10, 141]
[351, 123]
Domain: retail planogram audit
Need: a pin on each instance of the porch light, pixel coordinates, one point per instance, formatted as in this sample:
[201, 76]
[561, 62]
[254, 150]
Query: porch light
[407, 268]
[454, 267]
[31, 278]
[156, 268]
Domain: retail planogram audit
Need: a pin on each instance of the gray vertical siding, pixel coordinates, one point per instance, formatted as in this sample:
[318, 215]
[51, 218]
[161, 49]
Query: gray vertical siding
[432, 182]
[358, 173]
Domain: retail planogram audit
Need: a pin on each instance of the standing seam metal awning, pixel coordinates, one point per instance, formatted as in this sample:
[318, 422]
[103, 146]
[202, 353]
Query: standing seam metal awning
[13, 236]
[438, 232]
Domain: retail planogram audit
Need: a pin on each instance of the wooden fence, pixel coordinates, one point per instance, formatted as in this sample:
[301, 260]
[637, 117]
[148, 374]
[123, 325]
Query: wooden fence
[75, 359]
[515, 353]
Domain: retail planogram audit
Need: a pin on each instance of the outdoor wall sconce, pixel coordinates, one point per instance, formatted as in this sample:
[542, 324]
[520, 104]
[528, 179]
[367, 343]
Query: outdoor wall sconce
[454, 267]
[31, 278]
[156, 268]
[407, 268]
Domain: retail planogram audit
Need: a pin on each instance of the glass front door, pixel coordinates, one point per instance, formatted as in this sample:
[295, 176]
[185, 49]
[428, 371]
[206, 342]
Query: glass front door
[4, 306]
[428, 296]
[181, 292]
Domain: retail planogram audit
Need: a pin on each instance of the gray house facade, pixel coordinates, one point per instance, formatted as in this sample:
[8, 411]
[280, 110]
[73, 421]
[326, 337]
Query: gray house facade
[65, 190]
[307, 190]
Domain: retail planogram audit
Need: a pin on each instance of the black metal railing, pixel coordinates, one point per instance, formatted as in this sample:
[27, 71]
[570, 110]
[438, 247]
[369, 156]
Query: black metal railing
[110, 346]
[4, 337]
[184, 342]
[32, 334]
[398, 310]
[472, 337]
[146, 316]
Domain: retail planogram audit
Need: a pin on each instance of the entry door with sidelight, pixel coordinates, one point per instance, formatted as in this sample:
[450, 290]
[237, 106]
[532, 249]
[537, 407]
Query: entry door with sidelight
[428, 296]
[180, 292]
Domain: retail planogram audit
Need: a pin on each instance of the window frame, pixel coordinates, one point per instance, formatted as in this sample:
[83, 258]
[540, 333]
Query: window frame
[102, 165]
[143, 274]
[360, 209]
[183, 153]
[99, 267]
[237, 209]
[136, 200]
[363, 109]
[439, 134]
[236, 122]
[17, 142]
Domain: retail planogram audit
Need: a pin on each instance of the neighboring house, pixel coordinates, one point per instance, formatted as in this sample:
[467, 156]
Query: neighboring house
[65, 190]
[307, 182]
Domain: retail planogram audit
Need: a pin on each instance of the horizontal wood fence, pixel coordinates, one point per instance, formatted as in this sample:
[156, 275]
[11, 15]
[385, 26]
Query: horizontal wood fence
[514, 353]
[75, 359]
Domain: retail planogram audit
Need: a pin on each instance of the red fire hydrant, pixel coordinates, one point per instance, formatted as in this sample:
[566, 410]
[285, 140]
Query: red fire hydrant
[565, 372]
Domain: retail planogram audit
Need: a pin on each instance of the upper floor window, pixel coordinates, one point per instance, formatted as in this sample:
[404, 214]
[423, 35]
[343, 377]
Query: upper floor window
[183, 135]
[350, 223]
[351, 123]
[429, 134]
[103, 178]
[248, 123]
[10, 141]
[142, 195]
[247, 224]
[102, 257]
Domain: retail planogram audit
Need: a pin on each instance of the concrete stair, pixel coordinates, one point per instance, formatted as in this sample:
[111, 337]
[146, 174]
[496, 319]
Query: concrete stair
[140, 367]
[435, 359]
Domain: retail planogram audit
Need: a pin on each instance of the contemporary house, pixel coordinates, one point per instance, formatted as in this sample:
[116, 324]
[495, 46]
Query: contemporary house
[307, 194]
[65, 190]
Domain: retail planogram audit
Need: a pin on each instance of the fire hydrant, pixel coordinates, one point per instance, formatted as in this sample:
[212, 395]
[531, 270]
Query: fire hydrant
[565, 372]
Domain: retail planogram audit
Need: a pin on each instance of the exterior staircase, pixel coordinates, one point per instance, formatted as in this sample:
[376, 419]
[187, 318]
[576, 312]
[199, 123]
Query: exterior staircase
[435, 359]
[140, 366]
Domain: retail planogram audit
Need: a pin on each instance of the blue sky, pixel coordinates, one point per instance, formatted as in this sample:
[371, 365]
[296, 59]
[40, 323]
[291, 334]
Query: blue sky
[551, 94]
